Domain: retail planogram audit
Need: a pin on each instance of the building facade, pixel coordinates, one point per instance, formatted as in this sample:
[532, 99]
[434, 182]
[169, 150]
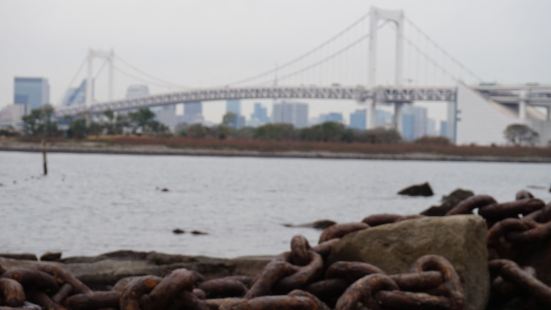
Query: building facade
[31, 92]
[288, 112]
[259, 116]
[193, 113]
[358, 119]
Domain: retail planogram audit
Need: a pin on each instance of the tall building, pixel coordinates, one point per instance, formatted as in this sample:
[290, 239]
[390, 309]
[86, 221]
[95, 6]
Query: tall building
[31, 92]
[331, 117]
[382, 118]
[233, 106]
[167, 116]
[295, 113]
[75, 95]
[414, 122]
[358, 119]
[259, 116]
[193, 113]
[137, 91]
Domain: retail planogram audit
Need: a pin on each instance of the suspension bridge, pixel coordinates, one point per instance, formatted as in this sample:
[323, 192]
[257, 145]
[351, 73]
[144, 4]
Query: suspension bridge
[347, 66]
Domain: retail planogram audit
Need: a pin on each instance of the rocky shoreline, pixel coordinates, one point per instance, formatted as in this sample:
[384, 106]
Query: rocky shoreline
[471, 253]
[147, 149]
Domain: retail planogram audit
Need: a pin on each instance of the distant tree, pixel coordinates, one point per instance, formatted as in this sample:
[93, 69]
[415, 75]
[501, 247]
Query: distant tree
[328, 131]
[519, 134]
[275, 132]
[230, 119]
[198, 131]
[40, 122]
[379, 136]
[77, 129]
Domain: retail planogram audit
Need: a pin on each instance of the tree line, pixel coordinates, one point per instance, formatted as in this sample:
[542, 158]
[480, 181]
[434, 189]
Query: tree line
[42, 123]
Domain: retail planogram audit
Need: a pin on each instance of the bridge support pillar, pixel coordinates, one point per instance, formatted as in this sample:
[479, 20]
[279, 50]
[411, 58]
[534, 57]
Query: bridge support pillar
[371, 114]
[522, 106]
[452, 121]
[396, 124]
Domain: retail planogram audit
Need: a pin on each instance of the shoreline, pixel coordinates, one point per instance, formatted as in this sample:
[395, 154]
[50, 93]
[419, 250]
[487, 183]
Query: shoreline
[163, 150]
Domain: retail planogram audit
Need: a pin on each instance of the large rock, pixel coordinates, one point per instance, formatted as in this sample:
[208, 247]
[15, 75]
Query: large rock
[448, 202]
[395, 247]
[417, 190]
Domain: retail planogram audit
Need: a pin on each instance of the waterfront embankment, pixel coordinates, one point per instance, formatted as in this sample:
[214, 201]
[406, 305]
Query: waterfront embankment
[282, 149]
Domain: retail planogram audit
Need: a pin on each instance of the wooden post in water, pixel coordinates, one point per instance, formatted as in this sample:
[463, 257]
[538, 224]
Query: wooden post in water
[44, 159]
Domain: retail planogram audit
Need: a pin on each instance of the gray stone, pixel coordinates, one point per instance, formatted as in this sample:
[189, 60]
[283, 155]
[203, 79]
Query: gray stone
[417, 190]
[448, 202]
[395, 247]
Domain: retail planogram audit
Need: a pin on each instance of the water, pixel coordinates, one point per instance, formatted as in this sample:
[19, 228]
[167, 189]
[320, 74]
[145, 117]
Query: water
[91, 204]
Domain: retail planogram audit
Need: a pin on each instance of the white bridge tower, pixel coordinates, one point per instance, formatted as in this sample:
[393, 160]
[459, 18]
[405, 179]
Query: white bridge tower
[107, 56]
[375, 16]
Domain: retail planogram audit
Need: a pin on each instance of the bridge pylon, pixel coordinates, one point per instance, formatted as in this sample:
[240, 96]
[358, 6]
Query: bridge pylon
[109, 57]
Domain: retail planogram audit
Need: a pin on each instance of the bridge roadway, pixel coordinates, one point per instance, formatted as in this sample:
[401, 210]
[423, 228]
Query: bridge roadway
[359, 93]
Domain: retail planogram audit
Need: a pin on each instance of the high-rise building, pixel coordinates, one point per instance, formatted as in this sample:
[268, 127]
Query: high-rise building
[358, 119]
[233, 106]
[31, 92]
[331, 117]
[193, 113]
[75, 95]
[382, 118]
[259, 116]
[414, 122]
[137, 91]
[295, 113]
[167, 116]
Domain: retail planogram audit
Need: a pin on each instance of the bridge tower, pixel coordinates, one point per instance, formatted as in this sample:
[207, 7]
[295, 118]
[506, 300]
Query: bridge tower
[397, 17]
[107, 56]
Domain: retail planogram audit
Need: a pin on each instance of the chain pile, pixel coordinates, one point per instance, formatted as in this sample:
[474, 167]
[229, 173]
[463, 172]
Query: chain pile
[304, 278]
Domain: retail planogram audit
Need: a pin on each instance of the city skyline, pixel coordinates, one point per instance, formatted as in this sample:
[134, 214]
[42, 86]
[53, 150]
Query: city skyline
[237, 61]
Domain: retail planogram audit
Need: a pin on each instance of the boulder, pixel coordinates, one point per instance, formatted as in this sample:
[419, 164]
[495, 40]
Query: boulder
[395, 247]
[51, 256]
[19, 256]
[448, 202]
[417, 190]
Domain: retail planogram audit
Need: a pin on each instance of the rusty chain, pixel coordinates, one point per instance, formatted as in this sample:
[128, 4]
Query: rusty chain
[304, 278]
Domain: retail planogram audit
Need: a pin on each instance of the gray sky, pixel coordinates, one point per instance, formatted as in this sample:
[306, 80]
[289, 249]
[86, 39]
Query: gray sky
[212, 42]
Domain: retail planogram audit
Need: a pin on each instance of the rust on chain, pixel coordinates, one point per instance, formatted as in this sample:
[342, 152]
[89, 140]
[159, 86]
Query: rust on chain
[296, 300]
[475, 202]
[418, 281]
[11, 292]
[33, 279]
[412, 301]
[510, 271]
[95, 300]
[270, 275]
[351, 271]
[363, 291]
[341, 230]
[138, 287]
[513, 209]
[449, 275]
[299, 251]
[222, 288]
[303, 275]
[325, 248]
[169, 287]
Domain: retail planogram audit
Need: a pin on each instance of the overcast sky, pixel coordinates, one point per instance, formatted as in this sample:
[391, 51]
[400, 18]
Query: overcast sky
[212, 42]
